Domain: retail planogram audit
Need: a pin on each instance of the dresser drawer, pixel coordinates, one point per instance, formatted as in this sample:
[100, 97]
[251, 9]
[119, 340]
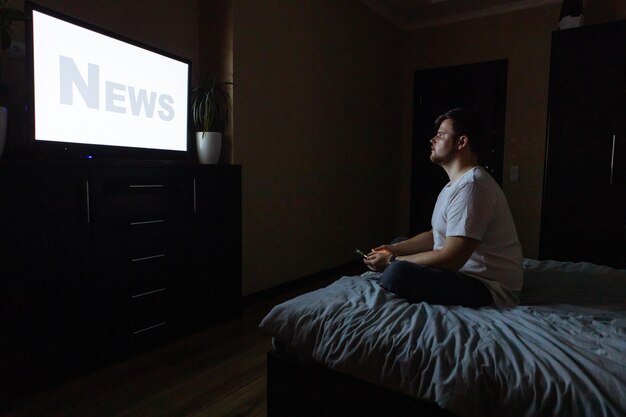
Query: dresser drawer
[149, 310]
[139, 275]
[148, 278]
[134, 222]
[135, 186]
[149, 337]
[139, 250]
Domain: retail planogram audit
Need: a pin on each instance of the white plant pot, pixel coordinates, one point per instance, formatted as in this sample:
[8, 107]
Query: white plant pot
[209, 146]
[3, 128]
[568, 22]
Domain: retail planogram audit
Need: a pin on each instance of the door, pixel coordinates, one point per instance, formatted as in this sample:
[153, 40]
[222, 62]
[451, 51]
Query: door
[481, 86]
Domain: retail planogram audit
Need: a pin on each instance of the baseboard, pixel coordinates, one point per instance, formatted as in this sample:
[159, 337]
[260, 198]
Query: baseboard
[303, 282]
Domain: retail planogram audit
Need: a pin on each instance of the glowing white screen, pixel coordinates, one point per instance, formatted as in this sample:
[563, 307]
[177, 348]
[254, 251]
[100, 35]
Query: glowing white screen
[93, 89]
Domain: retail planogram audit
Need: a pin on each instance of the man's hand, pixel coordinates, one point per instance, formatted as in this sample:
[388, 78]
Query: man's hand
[378, 259]
[386, 248]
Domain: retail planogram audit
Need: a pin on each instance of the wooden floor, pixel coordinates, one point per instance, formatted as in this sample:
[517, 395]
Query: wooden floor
[218, 372]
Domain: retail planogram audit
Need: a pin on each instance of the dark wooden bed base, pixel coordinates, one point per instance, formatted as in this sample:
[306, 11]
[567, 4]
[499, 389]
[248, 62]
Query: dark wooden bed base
[298, 389]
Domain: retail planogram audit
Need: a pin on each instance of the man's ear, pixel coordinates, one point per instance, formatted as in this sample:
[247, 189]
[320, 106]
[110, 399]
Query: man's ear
[463, 142]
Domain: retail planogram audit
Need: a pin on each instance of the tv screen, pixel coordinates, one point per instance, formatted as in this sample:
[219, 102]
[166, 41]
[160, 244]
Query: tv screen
[98, 93]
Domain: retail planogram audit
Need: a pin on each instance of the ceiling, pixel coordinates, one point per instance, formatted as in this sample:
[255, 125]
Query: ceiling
[416, 14]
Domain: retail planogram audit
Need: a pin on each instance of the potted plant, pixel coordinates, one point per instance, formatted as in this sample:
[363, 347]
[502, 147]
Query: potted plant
[7, 16]
[210, 107]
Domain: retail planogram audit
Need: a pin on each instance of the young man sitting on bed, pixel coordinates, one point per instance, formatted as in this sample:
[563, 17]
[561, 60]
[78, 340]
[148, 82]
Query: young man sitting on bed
[471, 256]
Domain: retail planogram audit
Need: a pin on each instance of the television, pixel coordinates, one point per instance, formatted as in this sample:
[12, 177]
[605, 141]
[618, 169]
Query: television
[99, 95]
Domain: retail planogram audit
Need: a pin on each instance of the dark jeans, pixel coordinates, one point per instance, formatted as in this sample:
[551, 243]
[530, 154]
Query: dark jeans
[419, 283]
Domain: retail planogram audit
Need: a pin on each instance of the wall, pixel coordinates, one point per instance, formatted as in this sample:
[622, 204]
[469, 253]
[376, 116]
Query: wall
[215, 20]
[170, 25]
[523, 38]
[317, 87]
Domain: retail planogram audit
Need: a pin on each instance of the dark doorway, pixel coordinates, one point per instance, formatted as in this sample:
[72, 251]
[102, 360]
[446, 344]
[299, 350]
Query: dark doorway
[481, 86]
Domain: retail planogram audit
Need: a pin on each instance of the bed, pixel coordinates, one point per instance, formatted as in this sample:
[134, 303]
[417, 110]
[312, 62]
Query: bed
[352, 348]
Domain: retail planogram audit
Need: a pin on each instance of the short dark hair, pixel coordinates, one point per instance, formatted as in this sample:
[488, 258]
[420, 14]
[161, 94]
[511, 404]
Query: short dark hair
[468, 122]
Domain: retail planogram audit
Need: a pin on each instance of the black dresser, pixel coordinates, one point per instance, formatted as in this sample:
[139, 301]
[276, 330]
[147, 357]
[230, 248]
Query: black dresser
[102, 260]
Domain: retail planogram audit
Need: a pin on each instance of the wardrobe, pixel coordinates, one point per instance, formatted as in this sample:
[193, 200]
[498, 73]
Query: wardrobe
[584, 195]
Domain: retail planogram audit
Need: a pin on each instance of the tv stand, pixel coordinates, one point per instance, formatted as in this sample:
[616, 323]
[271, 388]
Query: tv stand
[102, 260]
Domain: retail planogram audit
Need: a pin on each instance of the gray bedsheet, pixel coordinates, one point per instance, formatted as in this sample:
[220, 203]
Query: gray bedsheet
[530, 360]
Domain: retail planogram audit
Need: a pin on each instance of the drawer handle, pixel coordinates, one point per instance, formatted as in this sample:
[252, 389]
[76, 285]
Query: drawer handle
[146, 258]
[143, 294]
[612, 161]
[147, 222]
[146, 186]
[150, 327]
[87, 201]
[195, 199]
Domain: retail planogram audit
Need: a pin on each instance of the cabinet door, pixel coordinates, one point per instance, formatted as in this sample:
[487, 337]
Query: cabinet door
[583, 210]
[42, 273]
[210, 290]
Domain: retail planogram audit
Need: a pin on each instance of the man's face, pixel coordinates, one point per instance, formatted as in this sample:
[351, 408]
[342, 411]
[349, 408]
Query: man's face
[443, 146]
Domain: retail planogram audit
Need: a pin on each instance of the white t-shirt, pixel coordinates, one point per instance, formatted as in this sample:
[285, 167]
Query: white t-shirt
[475, 206]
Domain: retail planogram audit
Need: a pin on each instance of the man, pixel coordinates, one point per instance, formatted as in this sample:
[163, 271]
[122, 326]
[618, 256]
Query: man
[471, 256]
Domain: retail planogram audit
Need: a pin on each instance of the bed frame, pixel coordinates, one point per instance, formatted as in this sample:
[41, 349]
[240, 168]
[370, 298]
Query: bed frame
[295, 388]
